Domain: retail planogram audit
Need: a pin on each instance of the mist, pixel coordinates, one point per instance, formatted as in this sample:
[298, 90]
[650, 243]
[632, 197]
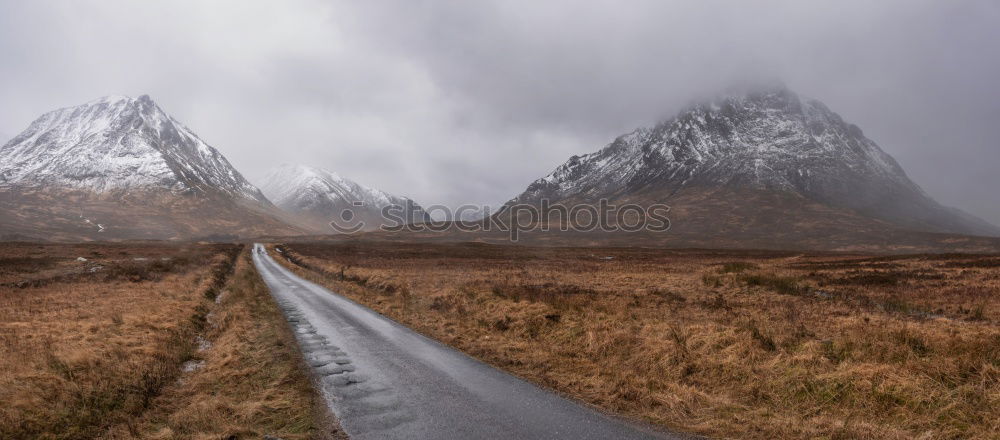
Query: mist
[451, 102]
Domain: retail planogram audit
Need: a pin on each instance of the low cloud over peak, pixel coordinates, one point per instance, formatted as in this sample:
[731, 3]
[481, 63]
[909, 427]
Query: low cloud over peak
[455, 102]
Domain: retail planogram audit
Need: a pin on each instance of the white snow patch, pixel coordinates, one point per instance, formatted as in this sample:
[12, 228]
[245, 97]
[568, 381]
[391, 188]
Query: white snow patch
[192, 365]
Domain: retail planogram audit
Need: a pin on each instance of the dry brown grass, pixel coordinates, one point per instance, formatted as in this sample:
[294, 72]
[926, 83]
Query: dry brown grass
[251, 382]
[95, 348]
[728, 344]
[84, 349]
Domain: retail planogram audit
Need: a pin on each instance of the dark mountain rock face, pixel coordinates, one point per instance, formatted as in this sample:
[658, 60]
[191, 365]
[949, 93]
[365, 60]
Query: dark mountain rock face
[765, 141]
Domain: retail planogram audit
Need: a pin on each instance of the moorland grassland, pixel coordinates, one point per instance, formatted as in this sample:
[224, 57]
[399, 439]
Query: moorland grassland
[146, 341]
[735, 344]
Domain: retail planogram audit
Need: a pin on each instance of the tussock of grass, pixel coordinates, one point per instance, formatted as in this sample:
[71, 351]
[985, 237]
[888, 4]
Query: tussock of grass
[559, 296]
[779, 284]
[382, 285]
[737, 267]
[875, 278]
[979, 263]
[766, 341]
[711, 280]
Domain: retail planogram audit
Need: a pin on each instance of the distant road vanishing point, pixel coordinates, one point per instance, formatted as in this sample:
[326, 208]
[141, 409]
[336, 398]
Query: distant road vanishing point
[384, 381]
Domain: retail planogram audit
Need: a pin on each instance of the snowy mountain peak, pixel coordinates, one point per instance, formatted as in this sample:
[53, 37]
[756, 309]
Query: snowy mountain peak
[117, 143]
[766, 138]
[302, 187]
[322, 195]
[763, 139]
[111, 99]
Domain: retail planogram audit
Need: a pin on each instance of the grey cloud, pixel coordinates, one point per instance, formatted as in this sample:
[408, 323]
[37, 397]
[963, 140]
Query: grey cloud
[456, 101]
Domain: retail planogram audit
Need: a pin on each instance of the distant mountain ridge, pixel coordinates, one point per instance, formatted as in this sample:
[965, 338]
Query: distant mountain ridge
[763, 141]
[125, 164]
[318, 196]
[764, 168]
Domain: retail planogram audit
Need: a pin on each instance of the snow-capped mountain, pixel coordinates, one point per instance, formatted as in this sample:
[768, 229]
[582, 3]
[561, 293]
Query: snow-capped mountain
[318, 197]
[126, 165]
[117, 144]
[767, 140]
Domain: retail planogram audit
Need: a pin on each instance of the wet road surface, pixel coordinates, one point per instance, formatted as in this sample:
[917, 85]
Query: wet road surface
[384, 381]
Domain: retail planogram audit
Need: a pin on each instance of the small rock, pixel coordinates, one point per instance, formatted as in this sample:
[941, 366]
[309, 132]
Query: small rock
[81, 259]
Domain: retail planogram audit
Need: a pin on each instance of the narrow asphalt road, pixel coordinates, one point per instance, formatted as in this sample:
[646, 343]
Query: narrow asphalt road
[384, 381]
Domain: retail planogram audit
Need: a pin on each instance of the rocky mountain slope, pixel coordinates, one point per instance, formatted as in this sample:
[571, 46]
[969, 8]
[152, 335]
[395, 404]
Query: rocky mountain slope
[317, 197]
[126, 165]
[719, 158]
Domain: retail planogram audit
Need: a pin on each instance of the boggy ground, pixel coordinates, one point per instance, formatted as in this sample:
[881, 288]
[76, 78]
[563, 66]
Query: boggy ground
[727, 343]
[146, 341]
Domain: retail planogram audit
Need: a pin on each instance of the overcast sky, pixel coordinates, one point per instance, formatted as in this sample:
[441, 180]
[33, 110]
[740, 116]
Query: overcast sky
[469, 101]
